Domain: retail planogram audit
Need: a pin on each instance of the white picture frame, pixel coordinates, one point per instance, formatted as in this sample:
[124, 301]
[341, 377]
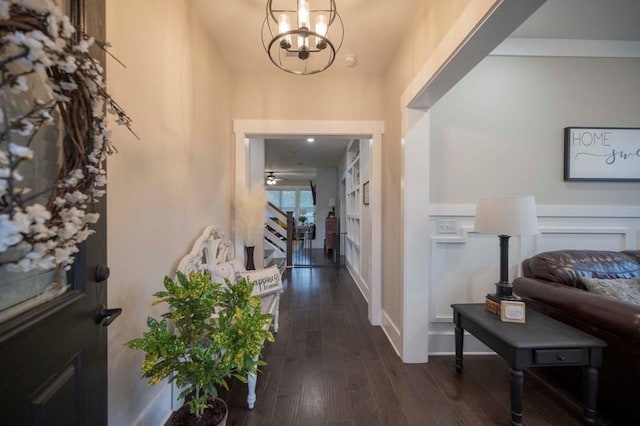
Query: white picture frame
[512, 311]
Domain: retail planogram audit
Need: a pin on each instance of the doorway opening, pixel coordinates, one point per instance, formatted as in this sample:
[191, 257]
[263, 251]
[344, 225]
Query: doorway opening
[301, 176]
[251, 172]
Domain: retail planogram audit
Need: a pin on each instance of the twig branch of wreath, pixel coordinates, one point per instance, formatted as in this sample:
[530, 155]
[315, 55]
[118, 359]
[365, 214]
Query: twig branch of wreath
[53, 99]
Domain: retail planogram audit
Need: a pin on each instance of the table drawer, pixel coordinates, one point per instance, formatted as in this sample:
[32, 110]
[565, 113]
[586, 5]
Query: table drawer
[559, 356]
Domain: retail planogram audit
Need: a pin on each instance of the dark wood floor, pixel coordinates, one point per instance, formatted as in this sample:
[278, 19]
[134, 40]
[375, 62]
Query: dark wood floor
[305, 256]
[329, 366]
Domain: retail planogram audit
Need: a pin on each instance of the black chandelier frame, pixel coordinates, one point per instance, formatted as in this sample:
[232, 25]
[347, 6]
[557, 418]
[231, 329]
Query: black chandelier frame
[279, 41]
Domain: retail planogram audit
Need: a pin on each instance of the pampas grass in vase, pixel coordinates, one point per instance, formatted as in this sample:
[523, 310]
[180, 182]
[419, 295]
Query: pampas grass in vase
[250, 214]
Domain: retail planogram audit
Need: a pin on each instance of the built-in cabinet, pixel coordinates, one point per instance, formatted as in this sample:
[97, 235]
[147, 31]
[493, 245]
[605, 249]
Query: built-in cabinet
[353, 201]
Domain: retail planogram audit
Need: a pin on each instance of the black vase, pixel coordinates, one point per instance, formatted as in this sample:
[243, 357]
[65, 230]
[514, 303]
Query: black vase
[248, 255]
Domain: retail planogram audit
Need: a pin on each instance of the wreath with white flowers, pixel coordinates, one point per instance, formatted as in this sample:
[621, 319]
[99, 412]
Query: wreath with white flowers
[46, 75]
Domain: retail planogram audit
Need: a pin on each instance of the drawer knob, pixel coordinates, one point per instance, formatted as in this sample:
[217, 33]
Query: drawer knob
[560, 357]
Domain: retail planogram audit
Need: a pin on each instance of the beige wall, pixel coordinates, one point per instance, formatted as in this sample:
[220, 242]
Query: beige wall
[330, 95]
[431, 23]
[165, 188]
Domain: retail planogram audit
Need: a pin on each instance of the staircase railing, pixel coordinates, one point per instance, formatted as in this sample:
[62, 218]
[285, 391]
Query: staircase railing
[278, 232]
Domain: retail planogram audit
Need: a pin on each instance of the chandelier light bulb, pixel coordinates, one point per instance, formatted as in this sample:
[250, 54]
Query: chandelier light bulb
[303, 14]
[321, 29]
[284, 26]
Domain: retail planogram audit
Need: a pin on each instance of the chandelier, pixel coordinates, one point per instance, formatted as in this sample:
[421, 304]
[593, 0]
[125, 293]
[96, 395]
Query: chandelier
[298, 39]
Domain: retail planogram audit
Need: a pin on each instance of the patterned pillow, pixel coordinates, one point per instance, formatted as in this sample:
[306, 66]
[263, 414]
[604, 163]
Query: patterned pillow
[624, 290]
[265, 281]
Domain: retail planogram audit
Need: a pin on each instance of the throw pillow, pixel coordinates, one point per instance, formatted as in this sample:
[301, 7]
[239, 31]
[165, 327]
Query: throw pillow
[625, 290]
[265, 281]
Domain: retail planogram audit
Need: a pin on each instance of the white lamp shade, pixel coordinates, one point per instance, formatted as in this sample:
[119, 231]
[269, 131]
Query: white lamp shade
[332, 202]
[507, 216]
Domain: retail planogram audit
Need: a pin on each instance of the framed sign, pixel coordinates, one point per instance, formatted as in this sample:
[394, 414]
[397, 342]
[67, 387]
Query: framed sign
[602, 154]
[365, 193]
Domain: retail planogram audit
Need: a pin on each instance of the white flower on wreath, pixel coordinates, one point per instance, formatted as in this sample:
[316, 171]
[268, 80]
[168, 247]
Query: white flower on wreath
[49, 233]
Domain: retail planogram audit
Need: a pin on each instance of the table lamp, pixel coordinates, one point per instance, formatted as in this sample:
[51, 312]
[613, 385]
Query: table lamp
[504, 217]
[332, 206]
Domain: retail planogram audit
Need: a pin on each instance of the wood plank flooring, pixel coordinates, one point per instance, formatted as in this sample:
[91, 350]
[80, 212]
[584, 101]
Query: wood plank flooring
[330, 367]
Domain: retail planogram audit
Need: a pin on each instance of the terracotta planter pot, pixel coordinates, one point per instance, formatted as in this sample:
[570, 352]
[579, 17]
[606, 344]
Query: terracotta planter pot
[216, 415]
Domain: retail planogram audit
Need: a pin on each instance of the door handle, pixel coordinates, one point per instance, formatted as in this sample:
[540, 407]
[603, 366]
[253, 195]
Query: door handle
[107, 316]
[102, 272]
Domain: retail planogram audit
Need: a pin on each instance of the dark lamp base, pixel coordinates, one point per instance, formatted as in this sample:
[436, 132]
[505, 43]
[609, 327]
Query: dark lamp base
[504, 291]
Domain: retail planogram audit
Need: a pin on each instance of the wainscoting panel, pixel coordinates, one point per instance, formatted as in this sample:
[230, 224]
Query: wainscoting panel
[464, 266]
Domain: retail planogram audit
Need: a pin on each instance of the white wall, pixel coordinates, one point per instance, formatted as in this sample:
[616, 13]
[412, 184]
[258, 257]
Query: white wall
[499, 131]
[326, 187]
[438, 31]
[256, 179]
[164, 189]
[503, 126]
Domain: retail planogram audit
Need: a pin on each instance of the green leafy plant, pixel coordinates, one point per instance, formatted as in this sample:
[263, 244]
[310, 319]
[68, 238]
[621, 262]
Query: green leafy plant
[211, 332]
[302, 219]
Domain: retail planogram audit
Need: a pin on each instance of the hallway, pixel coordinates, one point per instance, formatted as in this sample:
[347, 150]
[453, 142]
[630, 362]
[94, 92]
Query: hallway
[328, 366]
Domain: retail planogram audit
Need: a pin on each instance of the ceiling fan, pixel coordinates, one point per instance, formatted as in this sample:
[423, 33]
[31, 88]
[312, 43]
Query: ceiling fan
[271, 179]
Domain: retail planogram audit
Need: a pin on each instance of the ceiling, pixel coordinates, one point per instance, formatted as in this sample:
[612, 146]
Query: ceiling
[294, 159]
[372, 30]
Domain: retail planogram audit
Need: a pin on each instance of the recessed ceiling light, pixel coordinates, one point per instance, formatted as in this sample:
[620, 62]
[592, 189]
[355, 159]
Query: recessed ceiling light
[311, 140]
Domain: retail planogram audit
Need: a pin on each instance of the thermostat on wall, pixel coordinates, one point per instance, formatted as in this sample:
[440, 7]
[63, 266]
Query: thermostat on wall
[511, 311]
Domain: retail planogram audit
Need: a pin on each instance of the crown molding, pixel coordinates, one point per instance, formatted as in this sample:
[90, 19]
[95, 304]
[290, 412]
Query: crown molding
[515, 46]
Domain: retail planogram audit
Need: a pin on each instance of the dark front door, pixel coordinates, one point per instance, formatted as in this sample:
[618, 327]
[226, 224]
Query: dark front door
[53, 357]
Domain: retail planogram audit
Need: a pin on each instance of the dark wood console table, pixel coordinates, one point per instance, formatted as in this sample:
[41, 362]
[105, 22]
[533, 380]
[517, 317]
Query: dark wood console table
[541, 341]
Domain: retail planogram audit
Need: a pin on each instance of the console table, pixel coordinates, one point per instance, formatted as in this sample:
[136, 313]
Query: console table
[541, 341]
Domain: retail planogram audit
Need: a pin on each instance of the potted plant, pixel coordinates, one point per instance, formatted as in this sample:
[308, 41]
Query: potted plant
[212, 332]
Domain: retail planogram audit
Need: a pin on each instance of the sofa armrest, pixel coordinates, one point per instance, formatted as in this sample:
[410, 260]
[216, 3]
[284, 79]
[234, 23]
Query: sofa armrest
[622, 319]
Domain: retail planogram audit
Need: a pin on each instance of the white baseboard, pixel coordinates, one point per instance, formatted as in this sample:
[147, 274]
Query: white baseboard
[364, 290]
[392, 332]
[159, 409]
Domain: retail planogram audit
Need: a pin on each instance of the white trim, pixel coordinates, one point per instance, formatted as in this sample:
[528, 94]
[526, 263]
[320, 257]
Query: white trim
[304, 127]
[481, 27]
[241, 181]
[392, 332]
[374, 129]
[158, 411]
[375, 179]
[516, 46]
[361, 285]
[579, 230]
[469, 210]
[415, 204]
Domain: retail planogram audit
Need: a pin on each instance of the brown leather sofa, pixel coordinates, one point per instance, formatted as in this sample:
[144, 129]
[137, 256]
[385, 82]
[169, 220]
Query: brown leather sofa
[551, 285]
